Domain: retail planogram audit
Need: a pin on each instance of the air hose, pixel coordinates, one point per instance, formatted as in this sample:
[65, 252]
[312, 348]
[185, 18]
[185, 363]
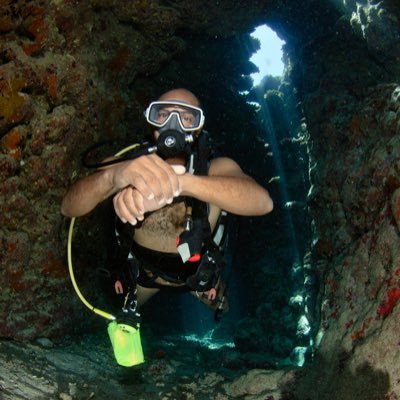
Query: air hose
[72, 276]
[125, 339]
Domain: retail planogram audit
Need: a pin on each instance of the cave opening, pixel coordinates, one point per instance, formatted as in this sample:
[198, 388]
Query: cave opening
[268, 58]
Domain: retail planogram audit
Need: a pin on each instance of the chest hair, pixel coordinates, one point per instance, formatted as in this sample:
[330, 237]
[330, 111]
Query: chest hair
[166, 221]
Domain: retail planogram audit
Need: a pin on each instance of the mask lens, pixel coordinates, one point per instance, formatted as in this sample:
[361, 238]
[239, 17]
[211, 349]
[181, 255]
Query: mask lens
[188, 119]
[159, 113]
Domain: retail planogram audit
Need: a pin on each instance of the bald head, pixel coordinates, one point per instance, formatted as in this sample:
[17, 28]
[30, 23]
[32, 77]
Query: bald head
[181, 95]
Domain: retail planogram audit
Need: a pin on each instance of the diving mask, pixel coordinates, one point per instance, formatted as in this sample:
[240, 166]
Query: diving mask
[181, 115]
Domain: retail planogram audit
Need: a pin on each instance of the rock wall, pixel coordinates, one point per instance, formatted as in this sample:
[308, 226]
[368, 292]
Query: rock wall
[62, 68]
[351, 104]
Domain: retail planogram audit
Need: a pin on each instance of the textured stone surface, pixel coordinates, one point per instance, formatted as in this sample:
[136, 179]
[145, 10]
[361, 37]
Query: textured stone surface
[354, 166]
[86, 369]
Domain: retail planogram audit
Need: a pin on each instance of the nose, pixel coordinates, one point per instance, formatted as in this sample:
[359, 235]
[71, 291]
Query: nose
[172, 123]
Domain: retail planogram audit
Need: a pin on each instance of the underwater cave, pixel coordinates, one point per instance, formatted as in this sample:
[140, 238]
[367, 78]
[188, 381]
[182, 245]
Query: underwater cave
[313, 286]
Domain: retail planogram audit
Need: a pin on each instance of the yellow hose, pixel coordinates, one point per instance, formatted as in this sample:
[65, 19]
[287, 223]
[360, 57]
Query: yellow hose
[71, 274]
[69, 252]
[126, 149]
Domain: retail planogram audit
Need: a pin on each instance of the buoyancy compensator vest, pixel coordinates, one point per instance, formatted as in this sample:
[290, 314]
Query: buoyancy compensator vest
[196, 243]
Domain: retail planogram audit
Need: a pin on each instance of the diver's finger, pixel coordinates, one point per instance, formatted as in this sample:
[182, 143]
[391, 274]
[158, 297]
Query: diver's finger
[160, 178]
[153, 181]
[143, 183]
[116, 208]
[121, 209]
[169, 178]
[212, 294]
[139, 204]
[129, 198]
[179, 170]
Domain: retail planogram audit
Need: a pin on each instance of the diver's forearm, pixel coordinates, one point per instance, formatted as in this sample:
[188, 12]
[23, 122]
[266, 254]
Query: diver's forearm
[236, 194]
[84, 195]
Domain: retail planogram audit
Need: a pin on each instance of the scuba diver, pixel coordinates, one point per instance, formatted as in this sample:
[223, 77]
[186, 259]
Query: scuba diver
[174, 196]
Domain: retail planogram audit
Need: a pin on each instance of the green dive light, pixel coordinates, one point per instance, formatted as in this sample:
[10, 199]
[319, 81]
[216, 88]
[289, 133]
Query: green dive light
[126, 343]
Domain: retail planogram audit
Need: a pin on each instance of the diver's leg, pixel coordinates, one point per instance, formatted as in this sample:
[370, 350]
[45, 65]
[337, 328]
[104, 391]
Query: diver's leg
[144, 294]
[218, 299]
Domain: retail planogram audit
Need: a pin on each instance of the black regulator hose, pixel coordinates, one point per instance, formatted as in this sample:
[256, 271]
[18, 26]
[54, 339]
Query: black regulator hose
[169, 144]
[140, 150]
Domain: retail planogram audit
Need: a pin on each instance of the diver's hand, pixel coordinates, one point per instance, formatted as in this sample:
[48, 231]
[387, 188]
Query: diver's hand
[150, 175]
[130, 205]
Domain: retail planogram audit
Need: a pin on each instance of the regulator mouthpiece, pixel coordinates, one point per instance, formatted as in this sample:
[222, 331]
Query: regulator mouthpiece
[126, 343]
[171, 143]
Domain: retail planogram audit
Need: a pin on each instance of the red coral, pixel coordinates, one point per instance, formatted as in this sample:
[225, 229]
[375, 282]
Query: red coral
[12, 139]
[386, 308]
[334, 314]
[52, 85]
[120, 60]
[66, 26]
[11, 142]
[395, 208]
[357, 335]
[349, 324]
[52, 265]
[16, 282]
[37, 27]
[360, 334]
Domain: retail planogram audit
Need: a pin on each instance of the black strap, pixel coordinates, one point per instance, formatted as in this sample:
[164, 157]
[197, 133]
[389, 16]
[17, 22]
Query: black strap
[202, 154]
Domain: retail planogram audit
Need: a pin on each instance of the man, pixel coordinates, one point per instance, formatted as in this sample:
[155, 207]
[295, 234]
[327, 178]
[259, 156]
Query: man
[153, 194]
